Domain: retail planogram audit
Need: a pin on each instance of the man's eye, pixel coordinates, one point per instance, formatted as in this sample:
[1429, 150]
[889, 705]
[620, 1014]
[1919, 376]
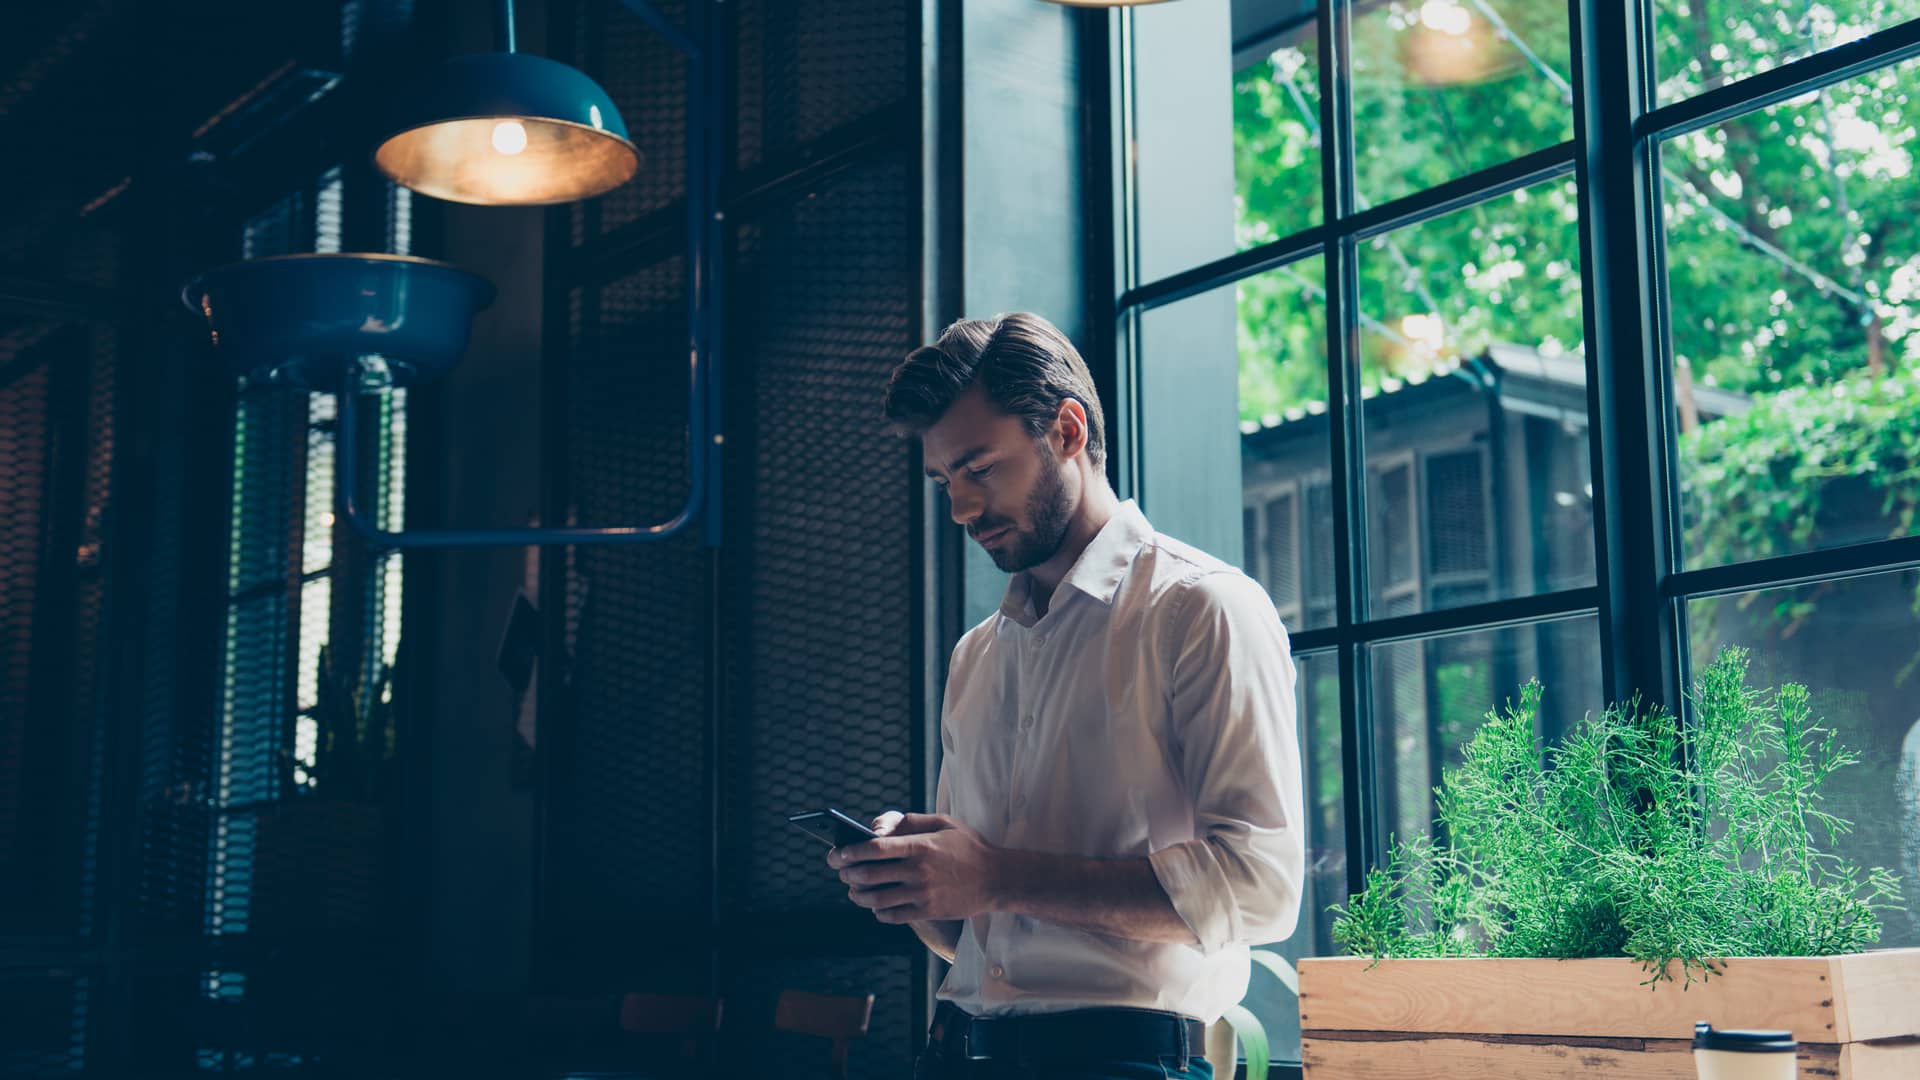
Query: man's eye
[981, 473]
[939, 483]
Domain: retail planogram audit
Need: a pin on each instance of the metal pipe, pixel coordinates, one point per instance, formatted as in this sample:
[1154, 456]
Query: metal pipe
[503, 26]
[363, 377]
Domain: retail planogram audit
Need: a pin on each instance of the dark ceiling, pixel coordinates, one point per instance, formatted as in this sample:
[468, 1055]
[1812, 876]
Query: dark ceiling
[97, 93]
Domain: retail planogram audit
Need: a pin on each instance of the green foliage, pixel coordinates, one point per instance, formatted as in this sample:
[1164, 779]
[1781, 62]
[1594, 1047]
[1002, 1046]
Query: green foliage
[1805, 468]
[1790, 240]
[1755, 484]
[1622, 841]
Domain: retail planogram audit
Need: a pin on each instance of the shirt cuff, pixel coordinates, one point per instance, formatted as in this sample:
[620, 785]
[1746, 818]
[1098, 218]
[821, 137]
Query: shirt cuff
[1183, 873]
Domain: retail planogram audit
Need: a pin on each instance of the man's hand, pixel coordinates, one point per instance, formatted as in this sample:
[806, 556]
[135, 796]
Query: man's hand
[923, 866]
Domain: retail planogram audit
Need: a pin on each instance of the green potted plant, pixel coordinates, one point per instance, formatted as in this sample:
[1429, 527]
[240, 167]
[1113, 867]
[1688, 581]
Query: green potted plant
[1583, 905]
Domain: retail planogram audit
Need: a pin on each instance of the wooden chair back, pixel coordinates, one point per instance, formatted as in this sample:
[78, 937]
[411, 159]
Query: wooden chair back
[841, 1019]
[695, 1019]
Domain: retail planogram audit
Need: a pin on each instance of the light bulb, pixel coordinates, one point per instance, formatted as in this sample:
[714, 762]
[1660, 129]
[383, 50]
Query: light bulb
[509, 137]
[1446, 16]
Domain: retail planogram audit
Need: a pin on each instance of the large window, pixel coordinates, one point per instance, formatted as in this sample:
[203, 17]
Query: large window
[311, 641]
[1451, 279]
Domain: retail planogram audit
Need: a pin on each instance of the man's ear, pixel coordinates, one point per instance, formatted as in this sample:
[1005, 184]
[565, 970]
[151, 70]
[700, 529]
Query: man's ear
[1070, 429]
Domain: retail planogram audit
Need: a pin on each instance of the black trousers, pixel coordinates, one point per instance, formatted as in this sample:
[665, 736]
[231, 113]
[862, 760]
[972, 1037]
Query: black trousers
[932, 1067]
[1097, 1044]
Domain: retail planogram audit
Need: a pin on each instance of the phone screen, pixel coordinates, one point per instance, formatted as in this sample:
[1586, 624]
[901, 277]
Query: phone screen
[831, 827]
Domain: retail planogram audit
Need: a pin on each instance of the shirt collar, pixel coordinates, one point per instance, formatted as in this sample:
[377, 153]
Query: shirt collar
[1099, 569]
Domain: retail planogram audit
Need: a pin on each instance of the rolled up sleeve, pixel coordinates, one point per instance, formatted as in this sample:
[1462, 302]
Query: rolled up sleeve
[1231, 696]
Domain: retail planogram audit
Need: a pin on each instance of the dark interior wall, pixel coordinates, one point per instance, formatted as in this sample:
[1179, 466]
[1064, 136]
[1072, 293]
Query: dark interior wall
[481, 457]
[690, 696]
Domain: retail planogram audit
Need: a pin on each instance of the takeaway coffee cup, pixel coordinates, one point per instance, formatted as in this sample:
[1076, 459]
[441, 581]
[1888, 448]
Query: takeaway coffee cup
[1743, 1055]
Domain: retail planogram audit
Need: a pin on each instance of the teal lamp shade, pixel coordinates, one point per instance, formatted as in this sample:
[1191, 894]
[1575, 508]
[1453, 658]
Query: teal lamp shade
[508, 129]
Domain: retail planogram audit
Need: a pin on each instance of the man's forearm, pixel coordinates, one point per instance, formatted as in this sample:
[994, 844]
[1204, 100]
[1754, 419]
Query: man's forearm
[1118, 897]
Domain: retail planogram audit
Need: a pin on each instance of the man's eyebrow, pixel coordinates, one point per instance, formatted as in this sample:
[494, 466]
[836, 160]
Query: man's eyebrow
[960, 462]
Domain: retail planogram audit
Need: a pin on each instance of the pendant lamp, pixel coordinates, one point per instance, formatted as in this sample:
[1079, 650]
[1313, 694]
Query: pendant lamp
[508, 129]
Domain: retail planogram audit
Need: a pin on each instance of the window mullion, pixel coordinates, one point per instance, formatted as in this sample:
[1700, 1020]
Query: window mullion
[1631, 447]
[1343, 382]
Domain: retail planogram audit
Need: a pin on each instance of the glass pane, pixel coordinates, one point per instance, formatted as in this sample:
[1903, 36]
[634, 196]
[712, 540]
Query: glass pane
[1443, 88]
[1276, 121]
[1703, 44]
[1855, 645]
[1284, 440]
[1794, 272]
[1475, 405]
[1430, 695]
[1246, 130]
[1317, 699]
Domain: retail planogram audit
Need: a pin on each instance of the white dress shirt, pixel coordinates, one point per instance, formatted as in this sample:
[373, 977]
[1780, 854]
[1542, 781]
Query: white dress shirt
[1150, 712]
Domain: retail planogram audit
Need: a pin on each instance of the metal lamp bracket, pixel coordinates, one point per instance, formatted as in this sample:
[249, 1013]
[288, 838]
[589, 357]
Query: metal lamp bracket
[704, 438]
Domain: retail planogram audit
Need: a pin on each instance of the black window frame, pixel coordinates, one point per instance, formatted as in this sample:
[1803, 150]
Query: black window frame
[1641, 589]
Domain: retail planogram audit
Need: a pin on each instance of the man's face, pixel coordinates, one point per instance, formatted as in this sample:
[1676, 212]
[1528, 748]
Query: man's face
[1008, 488]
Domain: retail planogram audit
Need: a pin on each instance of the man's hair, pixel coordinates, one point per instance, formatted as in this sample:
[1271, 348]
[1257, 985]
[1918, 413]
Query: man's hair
[1025, 366]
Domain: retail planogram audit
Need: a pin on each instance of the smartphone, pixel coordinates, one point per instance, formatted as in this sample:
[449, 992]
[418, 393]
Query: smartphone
[831, 827]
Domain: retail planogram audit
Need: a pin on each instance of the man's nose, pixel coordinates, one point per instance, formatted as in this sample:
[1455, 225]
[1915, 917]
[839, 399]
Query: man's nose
[966, 507]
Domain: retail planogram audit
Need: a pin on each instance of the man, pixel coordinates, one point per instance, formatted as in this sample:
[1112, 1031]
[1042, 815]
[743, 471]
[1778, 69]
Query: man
[1118, 813]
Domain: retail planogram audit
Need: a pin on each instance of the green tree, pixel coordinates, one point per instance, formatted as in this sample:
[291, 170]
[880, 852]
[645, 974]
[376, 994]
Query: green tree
[1791, 246]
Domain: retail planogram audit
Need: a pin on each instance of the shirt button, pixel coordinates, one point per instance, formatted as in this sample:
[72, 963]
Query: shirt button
[1026, 723]
[999, 972]
[1039, 639]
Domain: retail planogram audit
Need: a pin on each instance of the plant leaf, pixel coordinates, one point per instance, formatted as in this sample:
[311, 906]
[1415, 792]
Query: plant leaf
[1253, 1038]
[1281, 969]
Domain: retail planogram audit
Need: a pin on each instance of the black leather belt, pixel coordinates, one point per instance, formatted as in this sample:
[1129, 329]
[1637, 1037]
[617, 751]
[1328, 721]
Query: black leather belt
[1079, 1035]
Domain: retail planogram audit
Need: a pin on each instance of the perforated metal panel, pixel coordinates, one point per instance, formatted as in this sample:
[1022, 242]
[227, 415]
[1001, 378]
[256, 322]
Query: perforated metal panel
[56, 447]
[50, 610]
[174, 750]
[43, 1025]
[631, 828]
[819, 568]
[23, 464]
[810, 596]
[93, 694]
[647, 79]
[806, 67]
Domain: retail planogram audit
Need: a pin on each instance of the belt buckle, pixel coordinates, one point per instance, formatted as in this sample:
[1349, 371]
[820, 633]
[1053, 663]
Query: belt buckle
[966, 1040]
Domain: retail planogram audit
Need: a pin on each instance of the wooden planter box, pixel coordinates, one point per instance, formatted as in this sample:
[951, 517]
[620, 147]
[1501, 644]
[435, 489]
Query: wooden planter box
[1856, 1017]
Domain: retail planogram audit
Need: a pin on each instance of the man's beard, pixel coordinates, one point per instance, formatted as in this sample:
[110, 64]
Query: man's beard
[1049, 512]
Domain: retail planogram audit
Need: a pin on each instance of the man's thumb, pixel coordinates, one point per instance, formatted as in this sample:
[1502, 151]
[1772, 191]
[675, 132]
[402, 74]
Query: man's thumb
[910, 824]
